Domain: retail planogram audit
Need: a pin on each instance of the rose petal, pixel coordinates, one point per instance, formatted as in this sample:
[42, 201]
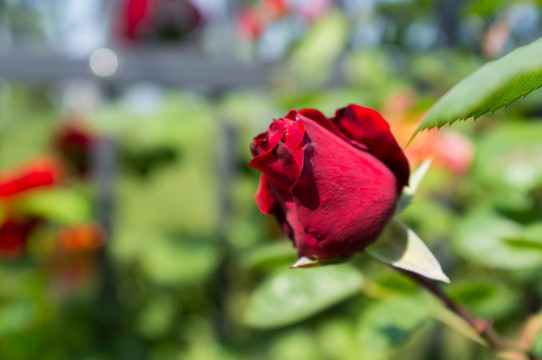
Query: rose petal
[293, 138]
[264, 197]
[344, 201]
[267, 140]
[321, 120]
[367, 126]
[306, 244]
[284, 211]
[279, 165]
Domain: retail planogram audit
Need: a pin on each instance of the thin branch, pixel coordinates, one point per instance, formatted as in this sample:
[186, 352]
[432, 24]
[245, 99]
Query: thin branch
[483, 327]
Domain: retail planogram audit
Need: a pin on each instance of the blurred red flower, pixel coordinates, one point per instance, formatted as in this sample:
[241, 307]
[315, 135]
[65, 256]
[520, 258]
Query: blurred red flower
[74, 142]
[157, 20]
[13, 235]
[40, 172]
[252, 20]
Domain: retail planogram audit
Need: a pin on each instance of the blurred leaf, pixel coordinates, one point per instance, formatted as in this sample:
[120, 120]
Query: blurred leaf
[271, 255]
[529, 238]
[371, 70]
[16, 316]
[485, 297]
[168, 194]
[414, 181]
[494, 85]
[508, 161]
[173, 262]
[390, 322]
[484, 7]
[313, 58]
[61, 205]
[396, 283]
[336, 339]
[201, 343]
[157, 317]
[400, 247]
[250, 109]
[453, 321]
[23, 140]
[289, 296]
[537, 345]
[442, 69]
[479, 235]
[441, 217]
[298, 344]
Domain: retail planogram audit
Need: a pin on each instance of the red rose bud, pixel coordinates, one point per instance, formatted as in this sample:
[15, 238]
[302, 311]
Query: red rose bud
[332, 183]
[40, 172]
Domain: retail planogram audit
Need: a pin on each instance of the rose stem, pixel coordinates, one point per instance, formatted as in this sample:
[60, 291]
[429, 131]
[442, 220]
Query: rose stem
[483, 327]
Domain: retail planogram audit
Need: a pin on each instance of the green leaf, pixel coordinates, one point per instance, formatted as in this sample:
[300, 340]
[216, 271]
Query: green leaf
[508, 164]
[336, 339]
[296, 344]
[494, 85]
[390, 322]
[479, 237]
[529, 238]
[400, 247]
[16, 316]
[289, 296]
[169, 261]
[485, 297]
[62, 205]
[270, 255]
[453, 321]
[414, 181]
[157, 317]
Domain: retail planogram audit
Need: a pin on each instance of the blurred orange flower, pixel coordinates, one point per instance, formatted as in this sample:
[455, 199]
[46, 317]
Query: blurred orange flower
[451, 150]
[74, 264]
[81, 238]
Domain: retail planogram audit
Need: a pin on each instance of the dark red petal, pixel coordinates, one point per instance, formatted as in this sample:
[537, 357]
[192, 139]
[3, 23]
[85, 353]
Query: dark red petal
[292, 114]
[343, 196]
[264, 197]
[267, 140]
[283, 209]
[321, 120]
[279, 165]
[366, 126]
[293, 138]
[306, 244]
